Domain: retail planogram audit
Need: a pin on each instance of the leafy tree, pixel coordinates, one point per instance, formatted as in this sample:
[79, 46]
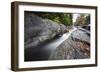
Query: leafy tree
[83, 19]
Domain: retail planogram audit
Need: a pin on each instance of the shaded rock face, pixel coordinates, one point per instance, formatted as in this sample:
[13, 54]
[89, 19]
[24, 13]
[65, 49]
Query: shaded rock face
[77, 46]
[38, 30]
[87, 27]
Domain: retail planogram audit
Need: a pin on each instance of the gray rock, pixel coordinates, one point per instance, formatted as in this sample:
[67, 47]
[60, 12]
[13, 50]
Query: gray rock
[38, 30]
[81, 35]
[77, 46]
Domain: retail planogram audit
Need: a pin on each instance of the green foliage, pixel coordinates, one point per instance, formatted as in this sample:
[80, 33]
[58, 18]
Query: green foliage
[67, 19]
[63, 18]
[87, 21]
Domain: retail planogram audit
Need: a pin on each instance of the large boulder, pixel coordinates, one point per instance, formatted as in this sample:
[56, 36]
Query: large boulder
[38, 30]
[77, 46]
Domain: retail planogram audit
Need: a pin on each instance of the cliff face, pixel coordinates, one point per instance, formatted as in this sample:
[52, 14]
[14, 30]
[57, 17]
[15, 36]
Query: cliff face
[38, 30]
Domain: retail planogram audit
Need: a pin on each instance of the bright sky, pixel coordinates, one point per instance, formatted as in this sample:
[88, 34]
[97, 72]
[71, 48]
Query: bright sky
[75, 17]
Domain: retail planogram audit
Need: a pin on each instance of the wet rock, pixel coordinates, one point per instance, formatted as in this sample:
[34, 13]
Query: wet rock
[77, 46]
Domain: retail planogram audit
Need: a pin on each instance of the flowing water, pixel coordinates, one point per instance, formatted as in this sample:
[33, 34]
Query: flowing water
[43, 52]
[55, 43]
